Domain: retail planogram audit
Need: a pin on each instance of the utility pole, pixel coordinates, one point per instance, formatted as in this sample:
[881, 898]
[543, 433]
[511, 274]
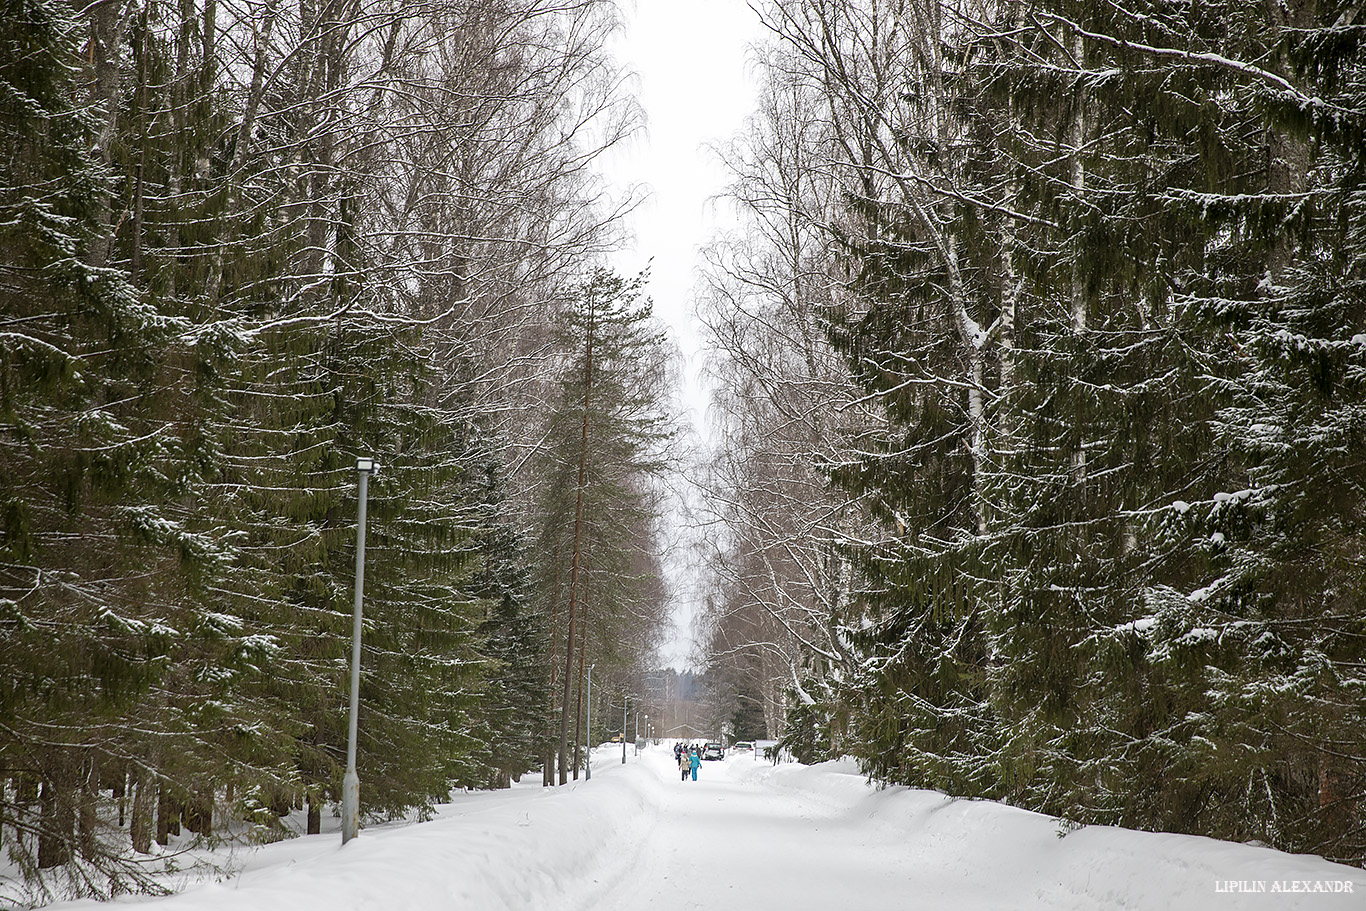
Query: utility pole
[625, 700]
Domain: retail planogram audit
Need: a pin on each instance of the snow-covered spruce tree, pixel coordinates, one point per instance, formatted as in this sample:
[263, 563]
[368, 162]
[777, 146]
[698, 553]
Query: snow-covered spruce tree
[99, 566]
[913, 311]
[1136, 392]
[1106, 542]
[239, 264]
[1160, 284]
[1270, 622]
[1104, 419]
[515, 640]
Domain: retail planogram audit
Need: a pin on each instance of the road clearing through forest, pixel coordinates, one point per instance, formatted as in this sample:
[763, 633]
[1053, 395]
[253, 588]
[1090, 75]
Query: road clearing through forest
[751, 835]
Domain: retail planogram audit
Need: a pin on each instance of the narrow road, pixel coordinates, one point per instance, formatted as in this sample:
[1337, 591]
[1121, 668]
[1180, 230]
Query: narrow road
[729, 838]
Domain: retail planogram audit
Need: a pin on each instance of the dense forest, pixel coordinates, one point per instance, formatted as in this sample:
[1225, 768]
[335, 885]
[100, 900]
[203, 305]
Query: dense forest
[1039, 464]
[242, 243]
[1042, 409]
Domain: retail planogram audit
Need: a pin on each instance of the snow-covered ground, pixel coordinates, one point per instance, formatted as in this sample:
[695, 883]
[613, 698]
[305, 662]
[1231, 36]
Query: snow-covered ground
[748, 835]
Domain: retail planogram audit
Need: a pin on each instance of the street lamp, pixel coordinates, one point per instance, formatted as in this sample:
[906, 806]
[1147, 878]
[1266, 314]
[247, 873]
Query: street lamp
[625, 700]
[351, 782]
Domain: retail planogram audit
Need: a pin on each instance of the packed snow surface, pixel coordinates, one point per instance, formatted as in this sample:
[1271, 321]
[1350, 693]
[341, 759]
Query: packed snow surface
[749, 835]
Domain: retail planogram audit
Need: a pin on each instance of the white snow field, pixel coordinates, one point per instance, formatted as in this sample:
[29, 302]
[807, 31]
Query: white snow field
[748, 835]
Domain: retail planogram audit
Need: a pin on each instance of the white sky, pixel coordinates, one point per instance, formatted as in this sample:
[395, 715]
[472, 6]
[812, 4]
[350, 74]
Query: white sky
[696, 87]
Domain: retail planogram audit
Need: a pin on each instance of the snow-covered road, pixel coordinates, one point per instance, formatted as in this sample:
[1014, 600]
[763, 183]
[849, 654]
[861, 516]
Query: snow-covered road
[748, 835]
[727, 839]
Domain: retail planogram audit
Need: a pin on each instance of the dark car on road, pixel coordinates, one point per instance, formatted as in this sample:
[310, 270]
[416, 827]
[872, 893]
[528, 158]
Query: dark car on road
[713, 751]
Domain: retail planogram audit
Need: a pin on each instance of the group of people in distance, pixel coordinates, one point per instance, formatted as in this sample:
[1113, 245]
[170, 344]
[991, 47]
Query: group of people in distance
[689, 756]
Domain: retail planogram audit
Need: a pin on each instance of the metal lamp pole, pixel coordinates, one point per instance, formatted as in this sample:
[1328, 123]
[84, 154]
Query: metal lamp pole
[588, 757]
[351, 782]
[625, 700]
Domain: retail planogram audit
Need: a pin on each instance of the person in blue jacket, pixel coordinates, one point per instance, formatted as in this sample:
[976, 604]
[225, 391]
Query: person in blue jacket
[694, 760]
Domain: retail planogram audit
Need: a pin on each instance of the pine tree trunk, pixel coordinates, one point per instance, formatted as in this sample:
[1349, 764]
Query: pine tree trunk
[120, 793]
[578, 701]
[144, 802]
[315, 814]
[163, 814]
[578, 545]
[548, 770]
[88, 820]
[54, 836]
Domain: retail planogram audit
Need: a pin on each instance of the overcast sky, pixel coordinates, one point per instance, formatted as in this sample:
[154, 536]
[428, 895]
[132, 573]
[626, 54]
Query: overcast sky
[695, 85]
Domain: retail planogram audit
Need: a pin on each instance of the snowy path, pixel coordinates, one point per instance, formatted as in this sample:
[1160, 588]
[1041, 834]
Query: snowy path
[727, 839]
[748, 835]
[751, 836]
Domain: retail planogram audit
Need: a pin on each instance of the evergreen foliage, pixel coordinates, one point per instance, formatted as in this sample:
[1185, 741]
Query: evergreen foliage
[239, 247]
[1098, 268]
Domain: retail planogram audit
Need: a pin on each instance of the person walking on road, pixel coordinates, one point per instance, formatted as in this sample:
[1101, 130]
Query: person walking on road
[694, 761]
[683, 765]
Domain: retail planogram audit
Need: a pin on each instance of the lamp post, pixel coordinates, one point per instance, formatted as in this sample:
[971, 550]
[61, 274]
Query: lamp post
[625, 700]
[351, 782]
[588, 756]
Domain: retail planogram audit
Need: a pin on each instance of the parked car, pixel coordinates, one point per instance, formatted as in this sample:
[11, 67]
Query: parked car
[713, 751]
[743, 746]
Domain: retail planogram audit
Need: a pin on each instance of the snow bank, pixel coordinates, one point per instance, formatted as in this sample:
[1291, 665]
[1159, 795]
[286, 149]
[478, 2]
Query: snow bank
[492, 851]
[1030, 860]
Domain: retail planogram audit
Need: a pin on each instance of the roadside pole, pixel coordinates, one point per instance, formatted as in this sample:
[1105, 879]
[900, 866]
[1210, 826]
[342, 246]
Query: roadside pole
[351, 781]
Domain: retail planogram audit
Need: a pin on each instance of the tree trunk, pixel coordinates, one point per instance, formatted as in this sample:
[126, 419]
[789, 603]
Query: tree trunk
[548, 771]
[89, 791]
[54, 836]
[214, 282]
[163, 814]
[578, 545]
[107, 25]
[140, 826]
[315, 814]
[197, 813]
[578, 701]
[120, 793]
